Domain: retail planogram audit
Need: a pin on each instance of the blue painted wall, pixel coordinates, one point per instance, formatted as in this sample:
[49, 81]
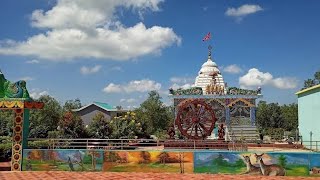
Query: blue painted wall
[309, 114]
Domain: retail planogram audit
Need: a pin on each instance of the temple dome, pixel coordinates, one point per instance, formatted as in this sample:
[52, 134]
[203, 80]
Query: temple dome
[209, 74]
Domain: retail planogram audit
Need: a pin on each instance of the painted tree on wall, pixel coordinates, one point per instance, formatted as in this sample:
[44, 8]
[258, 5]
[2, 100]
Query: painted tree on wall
[163, 157]
[94, 155]
[282, 161]
[111, 156]
[145, 157]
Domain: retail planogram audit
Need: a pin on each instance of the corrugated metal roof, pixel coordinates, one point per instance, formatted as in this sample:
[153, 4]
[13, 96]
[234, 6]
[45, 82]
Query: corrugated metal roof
[104, 106]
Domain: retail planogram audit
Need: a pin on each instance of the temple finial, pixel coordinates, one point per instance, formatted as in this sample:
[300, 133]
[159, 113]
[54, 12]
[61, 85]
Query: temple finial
[209, 51]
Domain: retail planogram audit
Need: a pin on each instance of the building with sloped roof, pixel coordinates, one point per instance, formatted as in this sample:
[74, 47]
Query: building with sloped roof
[89, 111]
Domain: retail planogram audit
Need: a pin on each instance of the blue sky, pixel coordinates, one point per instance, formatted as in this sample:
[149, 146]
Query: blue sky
[116, 52]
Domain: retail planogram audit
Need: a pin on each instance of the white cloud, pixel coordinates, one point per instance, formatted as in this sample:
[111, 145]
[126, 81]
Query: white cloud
[232, 69]
[182, 82]
[130, 100]
[37, 93]
[285, 83]
[143, 85]
[91, 29]
[112, 88]
[33, 61]
[26, 78]
[243, 11]
[255, 78]
[182, 79]
[87, 70]
[183, 86]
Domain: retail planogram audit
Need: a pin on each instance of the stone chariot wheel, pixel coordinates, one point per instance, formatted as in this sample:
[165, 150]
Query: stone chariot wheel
[195, 119]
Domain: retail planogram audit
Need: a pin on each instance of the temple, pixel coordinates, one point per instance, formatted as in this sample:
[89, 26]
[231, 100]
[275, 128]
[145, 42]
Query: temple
[208, 75]
[232, 107]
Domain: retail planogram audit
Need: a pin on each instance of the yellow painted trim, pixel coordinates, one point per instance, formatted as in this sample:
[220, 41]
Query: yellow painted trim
[308, 89]
[243, 100]
[10, 104]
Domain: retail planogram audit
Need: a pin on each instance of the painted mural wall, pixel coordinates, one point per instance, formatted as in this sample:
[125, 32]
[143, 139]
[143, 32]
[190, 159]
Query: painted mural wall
[222, 162]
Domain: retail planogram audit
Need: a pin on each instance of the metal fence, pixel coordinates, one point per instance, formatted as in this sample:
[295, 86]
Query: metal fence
[152, 144]
[95, 143]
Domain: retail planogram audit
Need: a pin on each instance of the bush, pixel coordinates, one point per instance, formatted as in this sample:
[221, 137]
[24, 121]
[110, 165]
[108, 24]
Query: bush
[5, 152]
[39, 144]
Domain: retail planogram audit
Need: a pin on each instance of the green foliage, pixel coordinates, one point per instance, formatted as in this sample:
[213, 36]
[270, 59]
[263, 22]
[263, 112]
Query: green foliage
[153, 114]
[42, 144]
[239, 163]
[45, 120]
[71, 126]
[99, 127]
[290, 116]
[317, 77]
[219, 161]
[312, 82]
[282, 161]
[273, 119]
[70, 105]
[6, 122]
[5, 148]
[87, 159]
[125, 126]
[54, 134]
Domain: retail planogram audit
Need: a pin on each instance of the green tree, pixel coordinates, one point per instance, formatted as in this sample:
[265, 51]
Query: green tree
[282, 161]
[72, 104]
[275, 116]
[71, 126]
[153, 114]
[290, 116]
[308, 83]
[6, 122]
[125, 126]
[99, 127]
[317, 77]
[262, 115]
[45, 120]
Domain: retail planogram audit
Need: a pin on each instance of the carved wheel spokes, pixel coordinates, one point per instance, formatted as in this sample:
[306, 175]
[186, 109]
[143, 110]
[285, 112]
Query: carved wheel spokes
[195, 119]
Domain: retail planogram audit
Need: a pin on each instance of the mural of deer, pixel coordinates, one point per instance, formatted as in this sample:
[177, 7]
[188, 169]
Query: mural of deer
[269, 170]
[251, 169]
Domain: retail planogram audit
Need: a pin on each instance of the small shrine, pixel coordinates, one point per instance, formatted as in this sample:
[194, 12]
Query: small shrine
[213, 110]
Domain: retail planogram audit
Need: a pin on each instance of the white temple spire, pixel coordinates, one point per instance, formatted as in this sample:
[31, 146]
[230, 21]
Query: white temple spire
[209, 74]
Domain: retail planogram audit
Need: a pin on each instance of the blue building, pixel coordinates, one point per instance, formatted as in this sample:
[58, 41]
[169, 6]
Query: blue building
[309, 114]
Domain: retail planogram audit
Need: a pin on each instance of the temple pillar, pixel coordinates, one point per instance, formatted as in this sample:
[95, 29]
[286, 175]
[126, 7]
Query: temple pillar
[17, 141]
[253, 116]
[227, 115]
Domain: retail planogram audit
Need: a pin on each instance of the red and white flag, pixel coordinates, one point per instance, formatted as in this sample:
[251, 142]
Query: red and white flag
[207, 37]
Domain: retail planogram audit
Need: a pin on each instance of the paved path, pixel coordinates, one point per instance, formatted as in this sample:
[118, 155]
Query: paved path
[130, 176]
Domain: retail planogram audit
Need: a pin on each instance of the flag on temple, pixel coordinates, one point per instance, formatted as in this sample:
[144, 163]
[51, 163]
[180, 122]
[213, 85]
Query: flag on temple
[207, 37]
